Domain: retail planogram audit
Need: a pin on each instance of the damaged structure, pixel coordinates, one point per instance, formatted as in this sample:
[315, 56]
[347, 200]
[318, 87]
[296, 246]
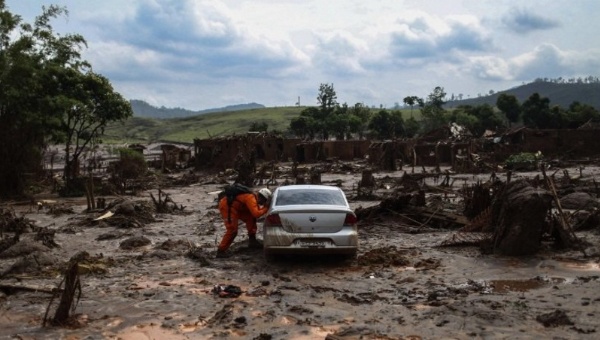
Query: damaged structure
[574, 142]
[220, 152]
[450, 145]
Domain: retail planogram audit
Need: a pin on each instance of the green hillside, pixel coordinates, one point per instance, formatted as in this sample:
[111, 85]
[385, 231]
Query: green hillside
[237, 121]
[561, 94]
[145, 130]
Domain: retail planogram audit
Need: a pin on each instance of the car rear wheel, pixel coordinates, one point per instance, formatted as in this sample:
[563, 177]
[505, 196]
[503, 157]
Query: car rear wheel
[350, 256]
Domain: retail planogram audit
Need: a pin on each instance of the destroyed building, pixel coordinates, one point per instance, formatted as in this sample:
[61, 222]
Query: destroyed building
[220, 152]
[449, 145]
[577, 143]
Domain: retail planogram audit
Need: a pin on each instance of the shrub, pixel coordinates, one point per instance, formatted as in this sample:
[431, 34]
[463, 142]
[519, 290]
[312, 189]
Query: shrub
[524, 161]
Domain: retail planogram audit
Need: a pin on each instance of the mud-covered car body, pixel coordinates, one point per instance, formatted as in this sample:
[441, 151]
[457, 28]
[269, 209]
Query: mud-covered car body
[310, 219]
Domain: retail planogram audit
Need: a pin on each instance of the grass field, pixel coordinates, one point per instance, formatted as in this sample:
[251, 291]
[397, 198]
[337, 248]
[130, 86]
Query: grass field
[185, 130]
[142, 130]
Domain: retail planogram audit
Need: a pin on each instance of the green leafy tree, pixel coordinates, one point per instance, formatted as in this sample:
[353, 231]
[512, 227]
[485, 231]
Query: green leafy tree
[411, 127]
[339, 125]
[327, 99]
[464, 118]
[359, 119]
[411, 101]
[47, 93]
[319, 120]
[387, 125]
[434, 115]
[536, 111]
[558, 118]
[131, 165]
[88, 103]
[478, 118]
[509, 105]
[303, 126]
[579, 114]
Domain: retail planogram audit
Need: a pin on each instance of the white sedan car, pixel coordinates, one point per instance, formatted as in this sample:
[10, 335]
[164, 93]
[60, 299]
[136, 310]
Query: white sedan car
[310, 219]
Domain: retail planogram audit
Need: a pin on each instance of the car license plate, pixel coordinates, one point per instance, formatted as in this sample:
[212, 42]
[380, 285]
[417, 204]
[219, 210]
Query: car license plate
[311, 244]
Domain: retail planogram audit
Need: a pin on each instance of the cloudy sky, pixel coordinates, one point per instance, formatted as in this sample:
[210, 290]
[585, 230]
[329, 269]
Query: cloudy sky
[200, 54]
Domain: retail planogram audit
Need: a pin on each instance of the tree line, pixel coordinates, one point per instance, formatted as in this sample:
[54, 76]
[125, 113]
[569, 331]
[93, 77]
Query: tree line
[329, 119]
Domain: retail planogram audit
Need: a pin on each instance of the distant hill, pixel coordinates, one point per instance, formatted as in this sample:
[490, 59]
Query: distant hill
[561, 94]
[142, 109]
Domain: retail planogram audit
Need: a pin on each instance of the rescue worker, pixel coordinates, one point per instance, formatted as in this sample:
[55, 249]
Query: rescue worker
[246, 207]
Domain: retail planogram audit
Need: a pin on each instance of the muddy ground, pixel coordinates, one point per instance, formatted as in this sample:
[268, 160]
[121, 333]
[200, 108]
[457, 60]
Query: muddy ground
[154, 277]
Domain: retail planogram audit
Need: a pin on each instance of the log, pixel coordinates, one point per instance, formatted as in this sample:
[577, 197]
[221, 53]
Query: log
[334, 337]
[28, 288]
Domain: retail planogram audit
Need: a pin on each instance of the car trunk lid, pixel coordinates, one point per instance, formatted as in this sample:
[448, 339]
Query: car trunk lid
[313, 222]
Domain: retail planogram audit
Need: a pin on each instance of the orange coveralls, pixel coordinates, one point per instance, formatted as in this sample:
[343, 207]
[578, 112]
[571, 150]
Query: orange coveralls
[245, 207]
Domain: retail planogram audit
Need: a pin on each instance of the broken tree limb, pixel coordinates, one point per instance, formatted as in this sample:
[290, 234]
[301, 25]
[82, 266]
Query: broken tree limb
[438, 216]
[29, 288]
[565, 232]
[162, 203]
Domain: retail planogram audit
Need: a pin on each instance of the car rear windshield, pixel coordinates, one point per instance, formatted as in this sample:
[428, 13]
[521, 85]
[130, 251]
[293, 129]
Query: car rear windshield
[310, 196]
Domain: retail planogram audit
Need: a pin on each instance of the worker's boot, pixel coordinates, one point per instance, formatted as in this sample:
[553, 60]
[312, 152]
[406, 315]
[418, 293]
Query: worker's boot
[221, 254]
[254, 243]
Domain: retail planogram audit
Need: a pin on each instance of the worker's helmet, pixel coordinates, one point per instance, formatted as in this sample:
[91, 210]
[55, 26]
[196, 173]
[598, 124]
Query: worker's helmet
[264, 192]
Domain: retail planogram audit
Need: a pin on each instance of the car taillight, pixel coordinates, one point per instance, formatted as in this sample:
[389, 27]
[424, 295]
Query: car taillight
[273, 220]
[350, 219]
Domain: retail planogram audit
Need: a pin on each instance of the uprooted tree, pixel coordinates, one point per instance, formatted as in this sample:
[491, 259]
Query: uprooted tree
[48, 93]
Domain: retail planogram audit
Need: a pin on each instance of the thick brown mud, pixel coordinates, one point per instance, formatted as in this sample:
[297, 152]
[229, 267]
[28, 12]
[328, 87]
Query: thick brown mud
[402, 284]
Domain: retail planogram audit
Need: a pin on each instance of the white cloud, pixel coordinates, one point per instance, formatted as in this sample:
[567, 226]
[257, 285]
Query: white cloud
[490, 68]
[545, 60]
[433, 39]
[339, 53]
[548, 60]
[208, 53]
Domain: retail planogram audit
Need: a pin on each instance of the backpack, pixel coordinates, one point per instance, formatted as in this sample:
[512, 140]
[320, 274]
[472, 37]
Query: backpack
[231, 192]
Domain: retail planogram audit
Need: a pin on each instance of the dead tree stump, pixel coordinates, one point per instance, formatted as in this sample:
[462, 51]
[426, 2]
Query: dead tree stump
[72, 286]
[477, 199]
[315, 176]
[367, 180]
[519, 214]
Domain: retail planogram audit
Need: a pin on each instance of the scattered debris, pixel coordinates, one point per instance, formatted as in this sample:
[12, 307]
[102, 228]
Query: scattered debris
[555, 319]
[164, 203]
[135, 242]
[227, 291]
